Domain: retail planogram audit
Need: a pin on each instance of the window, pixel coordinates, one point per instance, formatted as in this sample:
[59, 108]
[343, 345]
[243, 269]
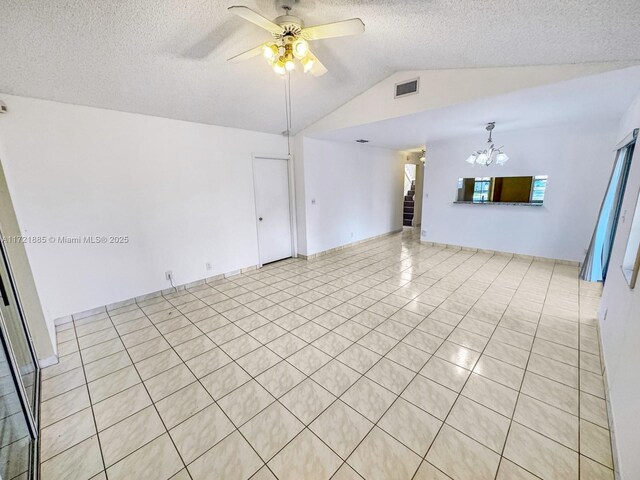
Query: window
[481, 189]
[539, 186]
[631, 260]
[505, 190]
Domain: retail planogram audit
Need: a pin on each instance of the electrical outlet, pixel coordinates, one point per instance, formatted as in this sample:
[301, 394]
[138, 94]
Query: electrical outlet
[207, 265]
[168, 275]
[423, 232]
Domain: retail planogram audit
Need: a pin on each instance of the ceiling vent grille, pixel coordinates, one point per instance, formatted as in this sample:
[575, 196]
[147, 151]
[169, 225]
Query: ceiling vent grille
[407, 88]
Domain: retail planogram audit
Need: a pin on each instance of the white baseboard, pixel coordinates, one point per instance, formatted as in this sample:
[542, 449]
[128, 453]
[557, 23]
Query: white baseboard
[47, 362]
[499, 252]
[131, 301]
[348, 245]
[63, 320]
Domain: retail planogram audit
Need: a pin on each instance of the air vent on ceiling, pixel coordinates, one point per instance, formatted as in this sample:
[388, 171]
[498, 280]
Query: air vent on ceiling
[362, 140]
[407, 88]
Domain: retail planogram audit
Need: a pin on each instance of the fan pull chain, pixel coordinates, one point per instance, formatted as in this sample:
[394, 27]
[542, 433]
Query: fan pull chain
[287, 108]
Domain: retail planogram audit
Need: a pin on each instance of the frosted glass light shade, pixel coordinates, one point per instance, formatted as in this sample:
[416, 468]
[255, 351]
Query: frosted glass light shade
[501, 158]
[482, 159]
[471, 159]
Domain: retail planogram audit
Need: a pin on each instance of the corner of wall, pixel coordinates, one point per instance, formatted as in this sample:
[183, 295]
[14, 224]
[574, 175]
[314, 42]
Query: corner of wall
[297, 152]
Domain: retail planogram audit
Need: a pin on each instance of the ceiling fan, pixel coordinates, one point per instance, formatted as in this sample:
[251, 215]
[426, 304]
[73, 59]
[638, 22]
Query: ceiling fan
[291, 40]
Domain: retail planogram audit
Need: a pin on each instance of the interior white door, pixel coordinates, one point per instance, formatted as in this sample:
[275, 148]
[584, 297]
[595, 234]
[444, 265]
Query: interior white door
[271, 180]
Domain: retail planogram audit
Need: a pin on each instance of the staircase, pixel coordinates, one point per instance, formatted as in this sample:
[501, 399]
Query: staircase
[407, 216]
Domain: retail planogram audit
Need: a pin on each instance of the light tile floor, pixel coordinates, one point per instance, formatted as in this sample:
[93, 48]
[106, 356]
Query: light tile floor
[388, 360]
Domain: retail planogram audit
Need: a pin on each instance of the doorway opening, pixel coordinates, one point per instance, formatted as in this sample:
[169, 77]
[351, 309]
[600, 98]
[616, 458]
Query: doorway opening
[412, 191]
[409, 195]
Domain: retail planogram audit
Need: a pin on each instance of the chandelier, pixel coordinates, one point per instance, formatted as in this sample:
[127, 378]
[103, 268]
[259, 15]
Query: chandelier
[490, 154]
[281, 55]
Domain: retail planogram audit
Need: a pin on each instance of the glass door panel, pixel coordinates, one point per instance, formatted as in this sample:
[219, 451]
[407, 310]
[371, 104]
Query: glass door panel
[596, 264]
[15, 437]
[19, 377]
[16, 331]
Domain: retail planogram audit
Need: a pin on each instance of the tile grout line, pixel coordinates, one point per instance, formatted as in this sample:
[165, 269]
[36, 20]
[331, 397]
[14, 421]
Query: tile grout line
[338, 398]
[103, 357]
[515, 406]
[533, 336]
[382, 386]
[95, 425]
[290, 273]
[249, 332]
[422, 459]
[214, 402]
[155, 409]
[444, 421]
[284, 406]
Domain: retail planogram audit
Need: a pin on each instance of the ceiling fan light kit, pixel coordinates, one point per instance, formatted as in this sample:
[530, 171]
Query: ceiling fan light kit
[291, 40]
[491, 154]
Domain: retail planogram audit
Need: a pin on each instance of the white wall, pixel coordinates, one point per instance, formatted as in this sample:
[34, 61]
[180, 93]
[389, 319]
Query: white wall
[577, 159]
[182, 192]
[619, 318]
[41, 332]
[358, 193]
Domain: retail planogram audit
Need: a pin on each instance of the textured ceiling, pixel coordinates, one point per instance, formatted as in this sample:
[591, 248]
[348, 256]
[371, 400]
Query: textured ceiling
[167, 57]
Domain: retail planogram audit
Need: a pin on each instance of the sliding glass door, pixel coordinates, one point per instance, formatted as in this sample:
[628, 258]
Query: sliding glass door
[596, 264]
[19, 380]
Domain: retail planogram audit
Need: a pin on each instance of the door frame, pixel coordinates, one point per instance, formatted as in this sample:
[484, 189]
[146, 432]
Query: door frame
[32, 417]
[292, 199]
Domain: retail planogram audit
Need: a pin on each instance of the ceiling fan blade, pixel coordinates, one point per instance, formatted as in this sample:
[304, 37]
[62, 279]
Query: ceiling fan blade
[256, 18]
[318, 69]
[254, 52]
[353, 26]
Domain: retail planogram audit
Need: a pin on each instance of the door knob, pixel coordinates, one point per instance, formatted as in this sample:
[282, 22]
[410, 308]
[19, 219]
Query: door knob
[260, 218]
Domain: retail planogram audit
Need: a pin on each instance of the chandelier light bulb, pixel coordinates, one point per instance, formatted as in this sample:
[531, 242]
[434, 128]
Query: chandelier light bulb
[270, 51]
[300, 48]
[307, 63]
[279, 67]
[283, 55]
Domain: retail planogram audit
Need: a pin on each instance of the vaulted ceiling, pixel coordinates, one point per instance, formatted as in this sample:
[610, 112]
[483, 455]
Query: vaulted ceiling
[168, 57]
[594, 99]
